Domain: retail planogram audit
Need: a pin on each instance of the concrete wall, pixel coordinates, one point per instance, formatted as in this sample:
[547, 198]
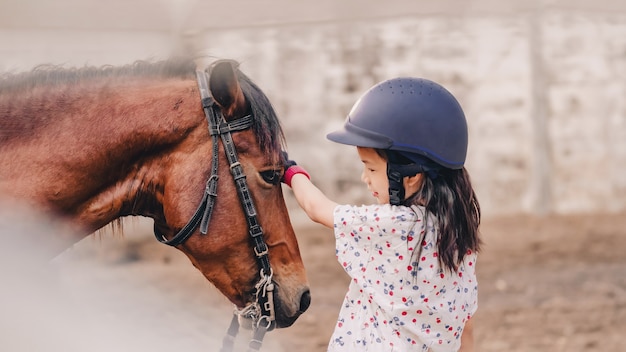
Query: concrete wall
[544, 92]
[23, 49]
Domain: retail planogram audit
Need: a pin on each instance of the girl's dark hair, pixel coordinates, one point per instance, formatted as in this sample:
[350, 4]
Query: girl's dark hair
[449, 196]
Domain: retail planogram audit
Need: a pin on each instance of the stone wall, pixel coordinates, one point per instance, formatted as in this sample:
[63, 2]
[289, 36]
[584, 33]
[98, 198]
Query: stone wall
[544, 95]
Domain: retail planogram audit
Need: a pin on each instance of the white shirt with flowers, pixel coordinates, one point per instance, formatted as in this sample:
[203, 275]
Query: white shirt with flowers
[398, 299]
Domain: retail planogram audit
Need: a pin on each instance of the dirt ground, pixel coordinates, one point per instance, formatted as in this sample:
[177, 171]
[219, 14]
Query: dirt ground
[545, 284]
[556, 283]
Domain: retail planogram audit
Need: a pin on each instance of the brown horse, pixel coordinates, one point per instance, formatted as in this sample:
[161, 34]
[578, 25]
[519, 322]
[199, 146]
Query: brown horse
[92, 145]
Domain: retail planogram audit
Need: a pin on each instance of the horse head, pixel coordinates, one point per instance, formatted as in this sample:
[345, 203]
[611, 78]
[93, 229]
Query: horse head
[94, 145]
[245, 228]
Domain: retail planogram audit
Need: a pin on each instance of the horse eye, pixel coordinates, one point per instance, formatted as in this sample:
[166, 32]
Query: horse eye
[271, 176]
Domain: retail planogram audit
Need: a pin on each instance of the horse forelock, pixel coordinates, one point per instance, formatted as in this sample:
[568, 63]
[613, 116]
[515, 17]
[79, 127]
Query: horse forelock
[266, 124]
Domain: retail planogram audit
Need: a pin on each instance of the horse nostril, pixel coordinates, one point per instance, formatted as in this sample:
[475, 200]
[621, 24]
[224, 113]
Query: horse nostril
[305, 301]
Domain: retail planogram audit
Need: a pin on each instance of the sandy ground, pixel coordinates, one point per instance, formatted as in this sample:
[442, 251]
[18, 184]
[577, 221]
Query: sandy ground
[556, 283]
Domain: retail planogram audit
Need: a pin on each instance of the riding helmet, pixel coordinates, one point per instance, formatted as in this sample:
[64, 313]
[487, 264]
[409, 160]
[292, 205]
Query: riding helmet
[413, 116]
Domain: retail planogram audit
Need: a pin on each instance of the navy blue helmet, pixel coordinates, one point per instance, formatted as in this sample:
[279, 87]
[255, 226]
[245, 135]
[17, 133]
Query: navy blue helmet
[414, 116]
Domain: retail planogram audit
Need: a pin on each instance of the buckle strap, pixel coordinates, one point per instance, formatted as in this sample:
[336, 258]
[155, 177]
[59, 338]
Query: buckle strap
[203, 213]
[186, 231]
[256, 232]
[239, 124]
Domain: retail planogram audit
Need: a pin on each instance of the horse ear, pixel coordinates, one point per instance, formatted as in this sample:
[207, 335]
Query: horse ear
[226, 90]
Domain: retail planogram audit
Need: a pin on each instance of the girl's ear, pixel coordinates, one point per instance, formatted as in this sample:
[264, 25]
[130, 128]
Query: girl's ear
[413, 183]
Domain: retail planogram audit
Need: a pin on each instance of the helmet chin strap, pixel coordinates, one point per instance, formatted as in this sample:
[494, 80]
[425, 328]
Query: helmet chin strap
[396, 174]
[396, 186]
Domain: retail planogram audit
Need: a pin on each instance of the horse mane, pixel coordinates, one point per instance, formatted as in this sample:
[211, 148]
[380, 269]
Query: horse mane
[267, 126]
[52, 75]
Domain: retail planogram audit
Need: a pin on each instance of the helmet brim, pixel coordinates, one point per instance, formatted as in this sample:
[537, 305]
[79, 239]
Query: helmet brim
[351, 134]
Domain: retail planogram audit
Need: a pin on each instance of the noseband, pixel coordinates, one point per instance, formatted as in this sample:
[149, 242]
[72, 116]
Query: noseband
[261, 311]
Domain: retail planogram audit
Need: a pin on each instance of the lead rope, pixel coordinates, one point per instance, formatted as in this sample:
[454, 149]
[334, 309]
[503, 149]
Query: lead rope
[229, 340]
[261, 324]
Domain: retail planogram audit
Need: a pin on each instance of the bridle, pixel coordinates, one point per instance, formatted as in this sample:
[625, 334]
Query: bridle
[261, 311]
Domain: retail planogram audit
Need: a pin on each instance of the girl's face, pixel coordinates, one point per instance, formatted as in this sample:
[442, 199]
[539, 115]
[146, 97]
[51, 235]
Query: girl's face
[375, 174]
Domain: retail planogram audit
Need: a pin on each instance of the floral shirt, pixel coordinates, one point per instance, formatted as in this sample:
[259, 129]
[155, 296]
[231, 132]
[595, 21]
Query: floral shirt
[400, 298]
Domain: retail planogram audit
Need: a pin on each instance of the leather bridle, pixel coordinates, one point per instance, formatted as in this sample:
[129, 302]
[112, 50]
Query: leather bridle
[261, 311]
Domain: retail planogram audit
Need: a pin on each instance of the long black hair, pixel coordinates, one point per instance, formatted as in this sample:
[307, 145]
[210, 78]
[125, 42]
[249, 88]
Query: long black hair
[448, 195]
[451, 199]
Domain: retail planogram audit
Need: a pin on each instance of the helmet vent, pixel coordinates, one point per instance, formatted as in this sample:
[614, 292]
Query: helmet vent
[400, 89]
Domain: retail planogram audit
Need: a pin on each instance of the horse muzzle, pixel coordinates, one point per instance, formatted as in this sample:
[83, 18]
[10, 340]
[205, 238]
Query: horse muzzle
[285, 316]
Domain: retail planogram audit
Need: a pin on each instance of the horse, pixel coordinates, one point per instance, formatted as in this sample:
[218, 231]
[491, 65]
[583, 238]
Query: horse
[163, 140]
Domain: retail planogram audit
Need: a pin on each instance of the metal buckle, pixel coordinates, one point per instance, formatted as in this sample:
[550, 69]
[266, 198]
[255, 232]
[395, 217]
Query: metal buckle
[237, 170]
[211, 186]
[262, 252]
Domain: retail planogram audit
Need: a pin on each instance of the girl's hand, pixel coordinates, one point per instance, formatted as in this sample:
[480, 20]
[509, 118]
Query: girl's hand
[314, 203]
[291, 169]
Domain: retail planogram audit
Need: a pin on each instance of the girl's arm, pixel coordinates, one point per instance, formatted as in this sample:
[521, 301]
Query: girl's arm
[314, 203]
[467, 337]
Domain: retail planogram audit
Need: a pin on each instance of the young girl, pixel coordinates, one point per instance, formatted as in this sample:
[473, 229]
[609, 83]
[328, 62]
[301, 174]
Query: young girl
[412, 256]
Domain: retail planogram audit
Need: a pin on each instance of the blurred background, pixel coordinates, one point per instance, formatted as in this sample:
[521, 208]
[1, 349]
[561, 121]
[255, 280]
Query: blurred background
[542, 84]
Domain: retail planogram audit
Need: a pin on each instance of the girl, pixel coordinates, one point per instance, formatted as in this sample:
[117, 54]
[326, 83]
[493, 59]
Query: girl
[412, 256]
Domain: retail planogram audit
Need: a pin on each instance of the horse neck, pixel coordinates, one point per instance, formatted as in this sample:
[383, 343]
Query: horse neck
[92, 152]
